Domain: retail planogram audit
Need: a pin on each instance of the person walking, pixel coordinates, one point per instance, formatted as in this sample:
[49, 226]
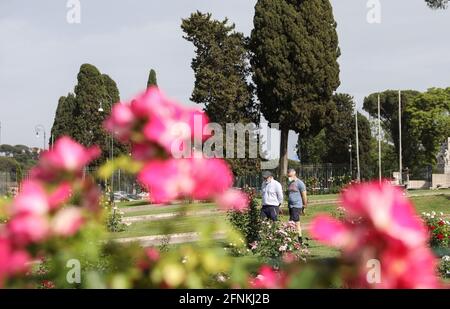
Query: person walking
[272, 197]
[297, 201]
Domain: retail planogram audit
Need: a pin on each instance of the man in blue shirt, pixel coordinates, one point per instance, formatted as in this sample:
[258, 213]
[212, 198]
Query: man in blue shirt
[297, 200]
[272, 197]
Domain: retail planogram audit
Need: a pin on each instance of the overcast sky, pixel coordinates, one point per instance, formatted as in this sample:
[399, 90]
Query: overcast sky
[40, 52]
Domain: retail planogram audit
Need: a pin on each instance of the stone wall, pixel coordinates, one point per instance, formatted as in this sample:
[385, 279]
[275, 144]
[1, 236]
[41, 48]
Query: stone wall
[440, 181]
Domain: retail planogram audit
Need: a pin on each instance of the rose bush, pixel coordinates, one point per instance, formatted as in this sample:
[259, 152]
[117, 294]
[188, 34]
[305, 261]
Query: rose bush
[278, 240]
[380, 224]
[438, 227]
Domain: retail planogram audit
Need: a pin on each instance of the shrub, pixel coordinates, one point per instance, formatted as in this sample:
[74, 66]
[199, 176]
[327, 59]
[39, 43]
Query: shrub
[278, 239]
[247, 222]
[444, 267]
[439, 229]
[115, 221]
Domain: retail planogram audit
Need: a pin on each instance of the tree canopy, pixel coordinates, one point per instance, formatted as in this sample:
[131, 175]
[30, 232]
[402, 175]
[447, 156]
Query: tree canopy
[222, 75]
[79, 115]
[152, 79]
[295, 48]
[331, 145]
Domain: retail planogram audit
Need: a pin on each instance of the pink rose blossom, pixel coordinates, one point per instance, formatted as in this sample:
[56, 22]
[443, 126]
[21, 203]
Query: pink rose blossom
[166, 180]
[11, 261]
[67, 222]
[268, 279]
[211, 177]
[32, 199]
[387, 230]
[66, 156]
[60, 195]
[155, 122]
[28, 228]
[233, 200]
[199, 178]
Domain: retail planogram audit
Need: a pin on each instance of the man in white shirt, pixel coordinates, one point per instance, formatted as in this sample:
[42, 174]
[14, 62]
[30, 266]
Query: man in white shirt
[272, 197]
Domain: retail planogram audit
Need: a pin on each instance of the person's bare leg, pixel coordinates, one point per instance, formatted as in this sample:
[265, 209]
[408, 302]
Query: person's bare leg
[299, 230]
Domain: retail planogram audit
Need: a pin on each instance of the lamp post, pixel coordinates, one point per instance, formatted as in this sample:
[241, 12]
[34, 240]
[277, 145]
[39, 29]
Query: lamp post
[350, 152]
[40, 128]
[111, 195]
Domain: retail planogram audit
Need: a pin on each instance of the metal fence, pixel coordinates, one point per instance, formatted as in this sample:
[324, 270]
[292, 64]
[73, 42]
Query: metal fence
[319, 178]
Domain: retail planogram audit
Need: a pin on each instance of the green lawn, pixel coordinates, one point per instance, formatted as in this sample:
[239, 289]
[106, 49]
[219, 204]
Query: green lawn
[182, 224]
[153, 210]
[185, 224]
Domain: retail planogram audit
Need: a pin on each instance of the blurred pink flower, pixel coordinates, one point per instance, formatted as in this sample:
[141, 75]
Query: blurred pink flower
[233, 200]
[152, 254]
[27, 228]
[11, 261]
[32, 199]
[60, 195]
[67, 222]
[121, 121]
[66, 156]
[197, 178]
[388, 210]
[268, 279]
[211, 177]
[153, 121]
[167, 180]
[387, 230]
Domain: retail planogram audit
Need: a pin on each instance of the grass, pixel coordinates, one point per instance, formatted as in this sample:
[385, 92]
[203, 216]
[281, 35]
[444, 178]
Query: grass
[170, 208]
[185, 224]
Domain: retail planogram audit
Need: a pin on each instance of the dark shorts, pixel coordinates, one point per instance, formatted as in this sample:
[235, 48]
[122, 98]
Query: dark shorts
[269, 212]
[294, 214]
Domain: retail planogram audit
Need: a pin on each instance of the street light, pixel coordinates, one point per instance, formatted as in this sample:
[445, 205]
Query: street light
[350, 152]
[41, 128]
[111, 195]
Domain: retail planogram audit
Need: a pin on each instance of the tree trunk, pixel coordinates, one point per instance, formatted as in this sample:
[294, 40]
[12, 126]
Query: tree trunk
[283, 156]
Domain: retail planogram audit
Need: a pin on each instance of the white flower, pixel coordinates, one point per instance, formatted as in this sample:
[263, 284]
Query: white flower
[282, 248]
[184, 260]
[221, 278]
[441, 213]
[446, 258]
[433, 213]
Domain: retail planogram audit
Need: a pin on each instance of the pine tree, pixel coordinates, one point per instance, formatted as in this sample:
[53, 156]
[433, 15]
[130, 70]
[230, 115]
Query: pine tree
[152, 79]
[222, 85]
[295, 47]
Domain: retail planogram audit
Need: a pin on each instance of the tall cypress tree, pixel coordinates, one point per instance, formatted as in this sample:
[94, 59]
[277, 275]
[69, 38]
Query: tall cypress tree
[63, 122]
[437, 4]
[222, 85]
[78, 114]
[152, 79]
[295, 47]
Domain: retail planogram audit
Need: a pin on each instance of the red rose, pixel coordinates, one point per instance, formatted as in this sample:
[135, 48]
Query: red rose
[440, 236]
[431, 227]
[441, 223]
